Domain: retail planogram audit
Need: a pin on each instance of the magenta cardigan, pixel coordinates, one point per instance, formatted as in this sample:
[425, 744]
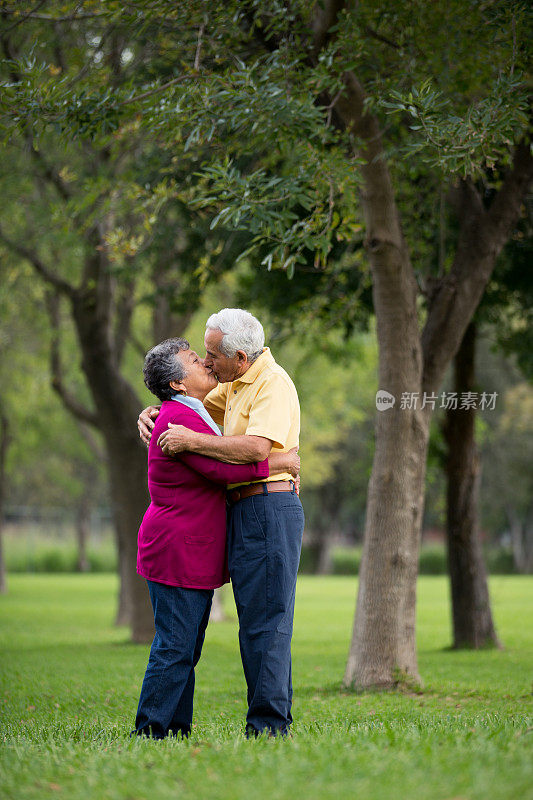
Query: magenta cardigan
[182, 538]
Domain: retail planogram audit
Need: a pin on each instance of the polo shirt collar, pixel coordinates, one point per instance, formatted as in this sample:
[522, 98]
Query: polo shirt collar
[258, 366]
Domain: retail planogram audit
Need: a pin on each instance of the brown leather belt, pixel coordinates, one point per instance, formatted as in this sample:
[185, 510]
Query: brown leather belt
[242, 492]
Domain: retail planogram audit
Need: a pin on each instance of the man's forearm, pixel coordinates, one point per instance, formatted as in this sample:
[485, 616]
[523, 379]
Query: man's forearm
[232, 449]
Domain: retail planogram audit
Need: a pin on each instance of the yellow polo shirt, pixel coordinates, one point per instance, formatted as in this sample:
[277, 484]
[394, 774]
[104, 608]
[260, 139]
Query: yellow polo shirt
[262, 402]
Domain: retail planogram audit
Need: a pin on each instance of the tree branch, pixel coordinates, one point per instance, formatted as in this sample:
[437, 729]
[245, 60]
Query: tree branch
[95, 263]
[93, 444]
[199, 48]
[49, 17]
[50, 277]
[124, 314]
[505, 208]
[23, 17]
[325, 16]
[76, 408]
[139, 347]
[466, 200]
[482, 237]
[378, 198]
[380, 38]
[157, 89]
[58, 51]
[49, 172]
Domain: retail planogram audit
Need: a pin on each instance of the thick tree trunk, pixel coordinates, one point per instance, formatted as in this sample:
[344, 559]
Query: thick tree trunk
[130, 500]
[471, 613]
[4, 444]
[383, 649]
[118, 408]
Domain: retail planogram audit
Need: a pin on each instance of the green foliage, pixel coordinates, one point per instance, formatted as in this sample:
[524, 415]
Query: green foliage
[207, 131]
[508, 447]
[250, 100]
[500, 561]
[65, 725]
[346, 560]
[508, 301]
[465, 145]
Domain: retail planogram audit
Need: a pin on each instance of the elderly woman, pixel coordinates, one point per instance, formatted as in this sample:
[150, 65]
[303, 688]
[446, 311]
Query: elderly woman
[182, 538]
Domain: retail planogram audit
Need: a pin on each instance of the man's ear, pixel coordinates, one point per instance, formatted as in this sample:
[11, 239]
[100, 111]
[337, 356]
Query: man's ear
[241, 357]
[178, 387]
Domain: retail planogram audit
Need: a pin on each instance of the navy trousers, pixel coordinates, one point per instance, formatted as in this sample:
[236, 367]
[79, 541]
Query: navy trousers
[166, 702]
[264, 544]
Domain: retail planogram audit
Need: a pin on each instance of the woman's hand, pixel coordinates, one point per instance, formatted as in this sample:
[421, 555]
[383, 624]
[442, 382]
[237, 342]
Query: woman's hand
[176, 439]
[284, 462]
[146, 422]
[293, 463]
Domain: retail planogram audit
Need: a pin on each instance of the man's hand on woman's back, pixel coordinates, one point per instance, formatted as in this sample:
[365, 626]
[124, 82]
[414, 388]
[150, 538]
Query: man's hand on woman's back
[146, 422]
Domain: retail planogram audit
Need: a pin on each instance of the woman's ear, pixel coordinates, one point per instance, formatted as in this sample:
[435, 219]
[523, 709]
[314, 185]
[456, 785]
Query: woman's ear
[178, 387]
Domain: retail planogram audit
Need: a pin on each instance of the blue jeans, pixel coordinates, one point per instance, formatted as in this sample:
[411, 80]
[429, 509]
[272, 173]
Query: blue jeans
[264, 543]
[166, 702]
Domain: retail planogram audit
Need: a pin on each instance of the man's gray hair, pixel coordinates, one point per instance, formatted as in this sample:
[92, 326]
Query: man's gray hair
[241, 331]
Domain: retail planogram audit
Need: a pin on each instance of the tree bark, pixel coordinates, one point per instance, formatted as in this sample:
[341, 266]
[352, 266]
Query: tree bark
[383, 647]
[91, 310]
[473, 626]
[118, 408]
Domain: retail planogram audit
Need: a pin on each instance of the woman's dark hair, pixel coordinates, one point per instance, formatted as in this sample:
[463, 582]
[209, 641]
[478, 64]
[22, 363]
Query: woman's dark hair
[161, 366]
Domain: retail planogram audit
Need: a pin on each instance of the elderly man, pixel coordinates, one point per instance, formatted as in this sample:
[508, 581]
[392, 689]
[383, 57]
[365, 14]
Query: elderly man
[257, 403]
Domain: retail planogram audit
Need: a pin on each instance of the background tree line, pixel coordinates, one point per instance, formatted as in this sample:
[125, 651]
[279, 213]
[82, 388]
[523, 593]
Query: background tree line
[142, 164]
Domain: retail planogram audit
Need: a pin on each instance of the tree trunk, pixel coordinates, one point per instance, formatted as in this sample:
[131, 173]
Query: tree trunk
[4, 444]
[166, 322]
[521, 539]
[383, 649]
[83, 523]
[130, 499]
[118, 408]
[318, 546]
[217, 609]
[473, 626]
[324, 559]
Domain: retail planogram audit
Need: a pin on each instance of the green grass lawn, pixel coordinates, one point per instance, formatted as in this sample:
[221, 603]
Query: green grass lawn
[70, 683]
